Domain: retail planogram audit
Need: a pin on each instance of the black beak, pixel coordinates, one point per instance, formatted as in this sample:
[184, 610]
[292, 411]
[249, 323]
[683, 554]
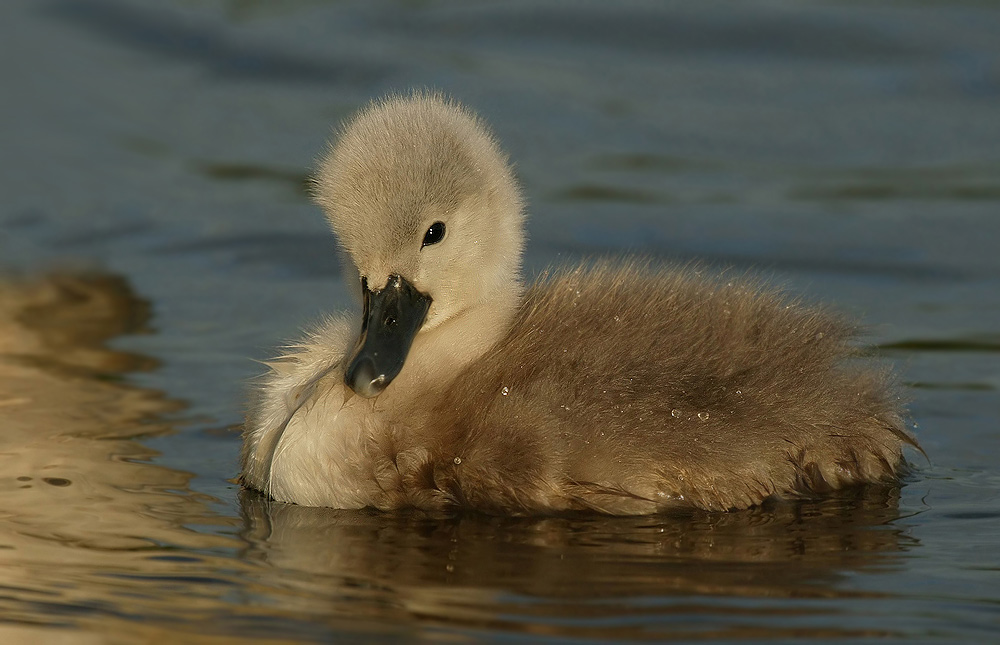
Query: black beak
[392, 316]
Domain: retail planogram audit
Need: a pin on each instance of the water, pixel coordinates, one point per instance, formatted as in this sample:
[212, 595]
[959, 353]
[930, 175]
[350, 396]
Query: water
[154, 157]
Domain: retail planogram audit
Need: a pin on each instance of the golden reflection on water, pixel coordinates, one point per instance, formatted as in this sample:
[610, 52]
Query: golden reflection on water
[81, 508]
[700, 575]
[97, 543]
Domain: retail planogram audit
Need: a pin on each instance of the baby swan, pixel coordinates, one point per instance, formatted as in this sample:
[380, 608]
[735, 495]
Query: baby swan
[616, 388]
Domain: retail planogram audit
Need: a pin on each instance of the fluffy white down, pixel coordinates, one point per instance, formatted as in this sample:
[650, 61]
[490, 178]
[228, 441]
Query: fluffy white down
[303, 442]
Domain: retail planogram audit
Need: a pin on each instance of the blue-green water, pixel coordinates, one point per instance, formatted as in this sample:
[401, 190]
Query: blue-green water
[850, 151]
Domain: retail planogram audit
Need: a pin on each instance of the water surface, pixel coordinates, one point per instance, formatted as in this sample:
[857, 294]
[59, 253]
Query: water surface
[155, 236]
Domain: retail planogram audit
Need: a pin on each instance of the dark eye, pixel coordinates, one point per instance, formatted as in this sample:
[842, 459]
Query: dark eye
[434, 234]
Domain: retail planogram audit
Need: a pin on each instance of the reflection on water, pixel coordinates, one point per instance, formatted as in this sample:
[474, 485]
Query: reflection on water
[697, 574]
[82, 508]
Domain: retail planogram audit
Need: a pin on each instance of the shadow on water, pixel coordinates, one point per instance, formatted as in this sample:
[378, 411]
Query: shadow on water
[299, 183]
[301, 254]
[979, 344]
[698, 575]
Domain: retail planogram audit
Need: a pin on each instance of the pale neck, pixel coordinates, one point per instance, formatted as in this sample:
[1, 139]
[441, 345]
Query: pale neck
[439, 355]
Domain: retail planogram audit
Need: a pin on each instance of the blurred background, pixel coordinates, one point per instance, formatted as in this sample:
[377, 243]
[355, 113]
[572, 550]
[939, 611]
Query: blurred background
[154, 160]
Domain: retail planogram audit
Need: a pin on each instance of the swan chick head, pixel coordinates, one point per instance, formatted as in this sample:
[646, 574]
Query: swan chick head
[425, 206]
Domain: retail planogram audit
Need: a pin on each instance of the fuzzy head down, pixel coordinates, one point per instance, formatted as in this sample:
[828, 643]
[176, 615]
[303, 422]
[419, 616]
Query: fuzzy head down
[405, 163]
